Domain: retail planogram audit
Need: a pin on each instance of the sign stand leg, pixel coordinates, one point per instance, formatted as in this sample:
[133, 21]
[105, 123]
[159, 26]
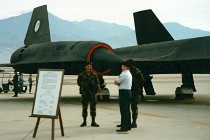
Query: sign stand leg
[53, 128]
[61, 123]
[37, 125]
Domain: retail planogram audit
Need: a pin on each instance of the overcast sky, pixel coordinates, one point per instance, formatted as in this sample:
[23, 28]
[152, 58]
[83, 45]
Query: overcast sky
[190, 13]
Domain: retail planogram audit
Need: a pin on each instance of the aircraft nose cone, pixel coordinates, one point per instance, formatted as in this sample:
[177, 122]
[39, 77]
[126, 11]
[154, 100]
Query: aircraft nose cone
[104, 59]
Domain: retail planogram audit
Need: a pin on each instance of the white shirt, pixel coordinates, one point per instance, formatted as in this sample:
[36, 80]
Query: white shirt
[125, 80]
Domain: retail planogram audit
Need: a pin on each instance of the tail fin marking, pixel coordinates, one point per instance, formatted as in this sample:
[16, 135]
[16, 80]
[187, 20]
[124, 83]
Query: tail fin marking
[38, 30]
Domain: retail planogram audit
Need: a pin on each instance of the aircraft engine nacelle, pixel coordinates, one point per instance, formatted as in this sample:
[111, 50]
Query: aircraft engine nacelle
[69, 55]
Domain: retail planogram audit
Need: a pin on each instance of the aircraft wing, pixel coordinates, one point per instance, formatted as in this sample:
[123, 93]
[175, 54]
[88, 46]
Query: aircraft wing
[6, 65]
[171, 56]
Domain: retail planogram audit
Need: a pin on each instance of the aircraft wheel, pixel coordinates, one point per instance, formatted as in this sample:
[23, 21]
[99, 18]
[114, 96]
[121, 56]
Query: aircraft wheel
[106, 97]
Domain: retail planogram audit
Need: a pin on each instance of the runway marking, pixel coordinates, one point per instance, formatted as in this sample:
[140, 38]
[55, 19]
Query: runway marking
[202, 123]
[145, 114]
[153, 115]
[106, 108]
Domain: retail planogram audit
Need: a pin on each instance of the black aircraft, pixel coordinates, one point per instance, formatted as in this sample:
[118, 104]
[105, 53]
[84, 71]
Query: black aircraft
[156, 52]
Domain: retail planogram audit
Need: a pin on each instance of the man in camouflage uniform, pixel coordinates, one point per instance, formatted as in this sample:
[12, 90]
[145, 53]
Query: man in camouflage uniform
[89, 85]
[136, 90]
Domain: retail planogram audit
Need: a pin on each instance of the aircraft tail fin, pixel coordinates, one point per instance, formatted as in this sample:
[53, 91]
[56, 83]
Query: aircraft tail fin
[38, 30]
[149, 29]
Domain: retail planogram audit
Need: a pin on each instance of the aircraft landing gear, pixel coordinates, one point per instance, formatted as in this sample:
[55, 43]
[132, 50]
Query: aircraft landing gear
[187, 88]
[184, 93]
[148, 86]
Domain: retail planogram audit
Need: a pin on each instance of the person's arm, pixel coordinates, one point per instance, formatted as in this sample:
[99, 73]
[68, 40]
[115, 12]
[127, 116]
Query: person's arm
[116, 82]
[79, 79]
[99, 87]
[119, 80]
[99, 91]
[141, 78]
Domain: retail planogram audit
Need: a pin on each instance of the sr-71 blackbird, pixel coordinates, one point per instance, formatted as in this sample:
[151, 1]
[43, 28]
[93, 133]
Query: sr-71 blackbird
[156, 52]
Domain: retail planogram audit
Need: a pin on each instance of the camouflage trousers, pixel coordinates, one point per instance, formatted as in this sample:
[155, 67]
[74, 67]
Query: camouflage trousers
[134, 106]
[85, 100]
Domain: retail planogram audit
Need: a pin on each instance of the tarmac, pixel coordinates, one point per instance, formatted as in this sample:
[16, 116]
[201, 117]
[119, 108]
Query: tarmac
[161, 117]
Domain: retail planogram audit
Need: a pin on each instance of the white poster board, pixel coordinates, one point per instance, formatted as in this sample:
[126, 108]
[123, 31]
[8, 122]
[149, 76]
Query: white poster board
[48, 91]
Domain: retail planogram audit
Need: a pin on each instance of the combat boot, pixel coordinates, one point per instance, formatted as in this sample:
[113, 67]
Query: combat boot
[94, 124]
[84, 122]
[134, 124]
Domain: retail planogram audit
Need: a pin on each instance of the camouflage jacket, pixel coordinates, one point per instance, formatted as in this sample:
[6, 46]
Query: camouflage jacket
[137, 79]
[88, 84]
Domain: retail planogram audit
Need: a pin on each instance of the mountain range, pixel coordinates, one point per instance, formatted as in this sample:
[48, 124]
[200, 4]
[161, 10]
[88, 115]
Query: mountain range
[13, 31]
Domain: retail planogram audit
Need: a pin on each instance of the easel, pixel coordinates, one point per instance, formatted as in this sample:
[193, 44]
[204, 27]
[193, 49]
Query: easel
[42, 107]
[53, 125]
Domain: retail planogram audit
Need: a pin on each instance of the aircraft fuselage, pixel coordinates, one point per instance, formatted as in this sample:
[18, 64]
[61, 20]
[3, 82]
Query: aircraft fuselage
[68, 55]
[171, 56]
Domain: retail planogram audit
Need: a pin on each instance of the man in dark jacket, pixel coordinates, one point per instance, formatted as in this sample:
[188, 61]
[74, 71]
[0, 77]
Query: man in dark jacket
[15, 84]
[136, 90]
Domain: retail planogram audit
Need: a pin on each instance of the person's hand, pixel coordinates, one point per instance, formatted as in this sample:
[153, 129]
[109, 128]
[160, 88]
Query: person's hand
[116, 83]
[101, 97]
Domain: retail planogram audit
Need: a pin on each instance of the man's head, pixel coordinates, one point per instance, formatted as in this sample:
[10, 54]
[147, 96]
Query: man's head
[125, 66]
[89, 67]
[131, 62]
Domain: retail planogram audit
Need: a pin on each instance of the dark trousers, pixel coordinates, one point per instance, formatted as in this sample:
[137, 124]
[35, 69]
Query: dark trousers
[85, 101]
[21, 88]
[134, 108]
[124, 102]
[30, 87]
[16, 89]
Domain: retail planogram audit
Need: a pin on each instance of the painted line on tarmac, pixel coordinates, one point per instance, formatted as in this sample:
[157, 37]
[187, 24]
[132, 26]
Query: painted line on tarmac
[202, 123]
[145, 114]
[154, 115]
[106, 108]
